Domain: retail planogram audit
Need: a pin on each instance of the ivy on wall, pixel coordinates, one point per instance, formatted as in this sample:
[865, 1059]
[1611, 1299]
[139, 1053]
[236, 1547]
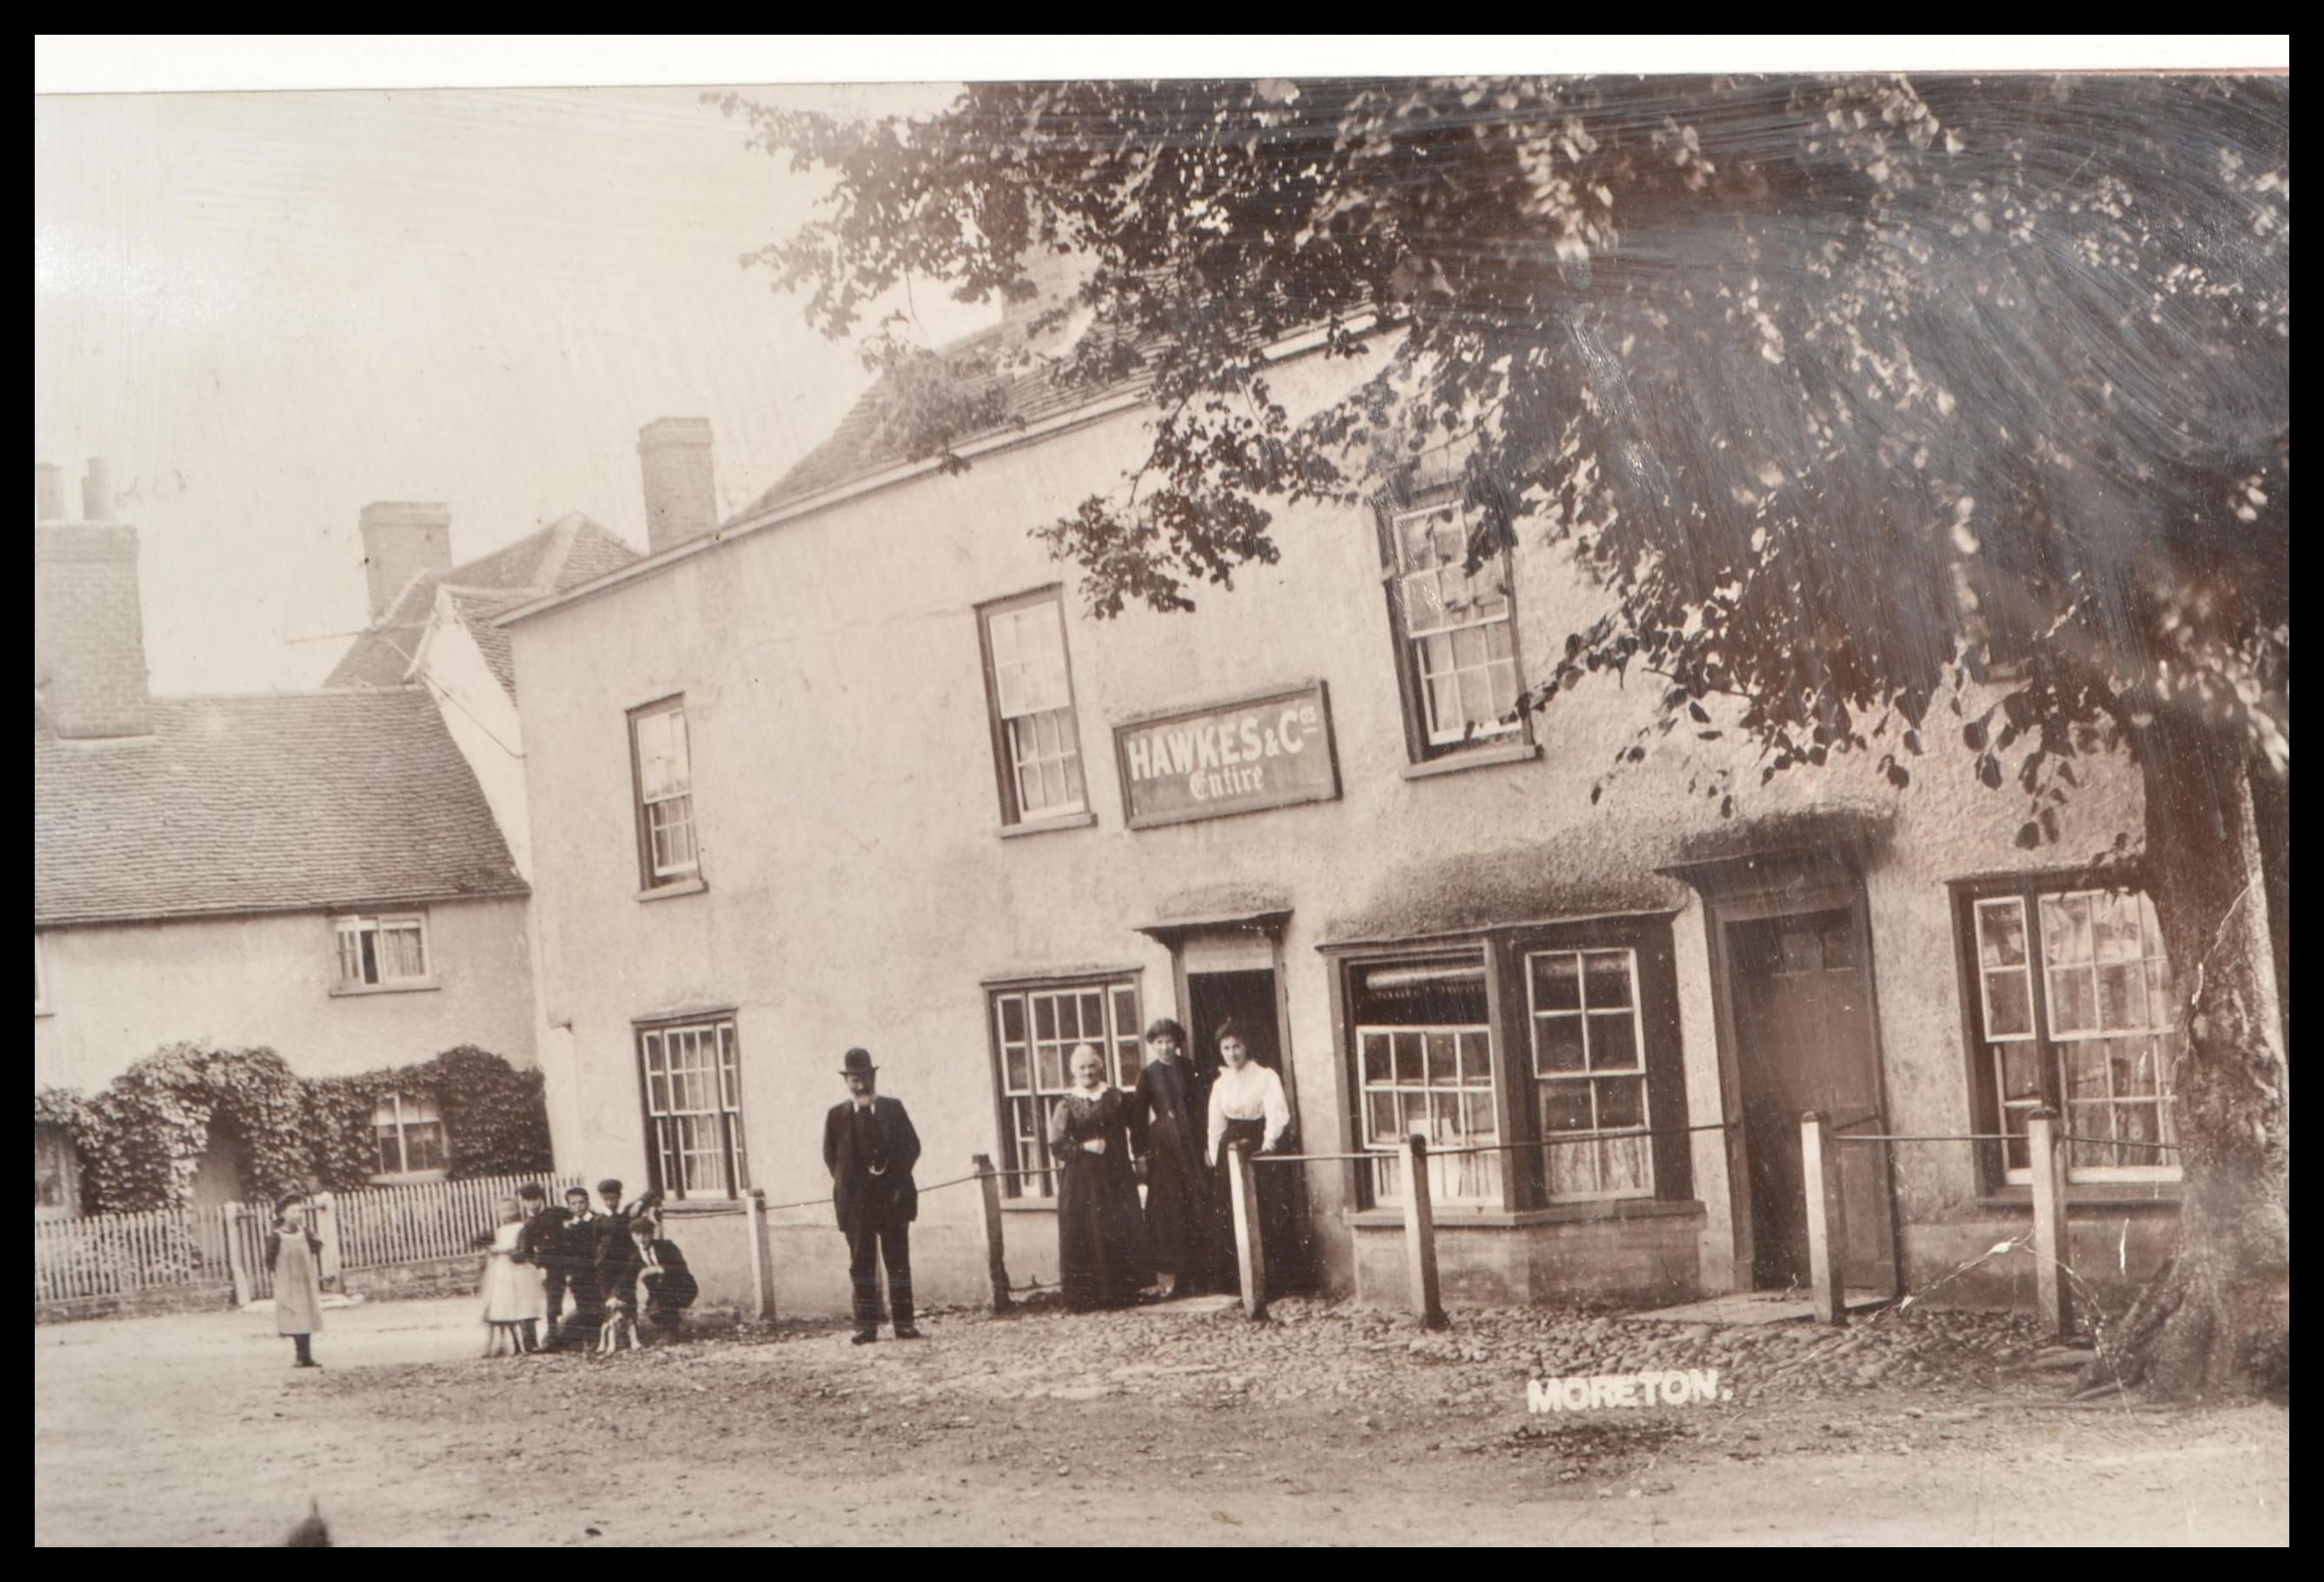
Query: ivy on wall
[142, 1137]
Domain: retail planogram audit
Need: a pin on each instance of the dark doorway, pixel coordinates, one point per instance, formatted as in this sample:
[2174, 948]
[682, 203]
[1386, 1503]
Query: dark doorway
[1248, 999]
[1802, 1001]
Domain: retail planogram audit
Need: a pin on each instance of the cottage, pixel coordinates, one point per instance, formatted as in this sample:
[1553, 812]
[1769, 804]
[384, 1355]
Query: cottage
[858, 769]
[319, 873]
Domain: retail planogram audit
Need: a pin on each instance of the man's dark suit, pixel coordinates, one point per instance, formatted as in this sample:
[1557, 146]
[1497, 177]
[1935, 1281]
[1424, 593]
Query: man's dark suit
[539, 1245]
[871, 1155]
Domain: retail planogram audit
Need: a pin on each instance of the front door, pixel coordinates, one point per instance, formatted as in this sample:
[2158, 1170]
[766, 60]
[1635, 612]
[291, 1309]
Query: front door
[1804, 1021]
[1248, 999]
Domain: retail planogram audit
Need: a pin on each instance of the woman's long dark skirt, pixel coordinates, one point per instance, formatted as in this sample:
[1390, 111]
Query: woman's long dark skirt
[1102, 1259]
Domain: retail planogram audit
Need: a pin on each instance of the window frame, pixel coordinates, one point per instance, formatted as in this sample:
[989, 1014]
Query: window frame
[725, 1073]
[1589, 1075]
[652, 877]
[377, 923]
[1987, 1103]
[1005, 766]
[394, 1100]
[1421, 744]
[1505, 949]
[1123, 1041]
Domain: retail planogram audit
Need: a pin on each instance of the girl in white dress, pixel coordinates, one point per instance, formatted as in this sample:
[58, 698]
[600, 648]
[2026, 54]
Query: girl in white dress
[515, 1302]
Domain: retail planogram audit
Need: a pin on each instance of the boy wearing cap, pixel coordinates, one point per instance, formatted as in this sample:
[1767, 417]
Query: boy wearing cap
[870, 1147]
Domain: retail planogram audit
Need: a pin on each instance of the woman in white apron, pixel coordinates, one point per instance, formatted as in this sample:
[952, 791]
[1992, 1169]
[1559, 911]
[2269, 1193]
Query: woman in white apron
[515, 1302]
[295, 1255]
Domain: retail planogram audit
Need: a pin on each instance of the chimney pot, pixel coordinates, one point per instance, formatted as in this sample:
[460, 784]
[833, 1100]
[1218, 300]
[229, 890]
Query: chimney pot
[47, 491]
[402, 540]
[681, 498]
[97, 491]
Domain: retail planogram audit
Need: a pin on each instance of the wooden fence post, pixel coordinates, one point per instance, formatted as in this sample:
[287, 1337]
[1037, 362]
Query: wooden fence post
[1250, 1250]
[996, 1250]
[1420, 1233]
[2047, 1156]
[1820, 1171]
[234, 1259]
[762, 1274]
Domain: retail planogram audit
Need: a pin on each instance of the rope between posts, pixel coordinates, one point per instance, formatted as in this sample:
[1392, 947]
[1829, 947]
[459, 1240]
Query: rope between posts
[938, 1187]
[1900, 1137]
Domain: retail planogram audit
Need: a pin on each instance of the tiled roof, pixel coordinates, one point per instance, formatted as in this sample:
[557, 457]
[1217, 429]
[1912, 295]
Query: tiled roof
[287, 802]
[867, 442]
[476, 611]
[563, 555]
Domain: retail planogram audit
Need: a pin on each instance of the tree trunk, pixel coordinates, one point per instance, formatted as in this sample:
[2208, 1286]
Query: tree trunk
[2216, 1321]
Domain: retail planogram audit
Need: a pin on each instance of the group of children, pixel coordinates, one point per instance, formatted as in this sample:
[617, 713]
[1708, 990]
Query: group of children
[617, 1266]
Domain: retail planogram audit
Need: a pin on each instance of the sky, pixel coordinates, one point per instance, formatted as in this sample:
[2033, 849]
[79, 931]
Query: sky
[267, 310]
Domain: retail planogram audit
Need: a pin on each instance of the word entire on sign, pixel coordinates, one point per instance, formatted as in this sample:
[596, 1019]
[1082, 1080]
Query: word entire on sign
[1664, 1387]
[1234, 758]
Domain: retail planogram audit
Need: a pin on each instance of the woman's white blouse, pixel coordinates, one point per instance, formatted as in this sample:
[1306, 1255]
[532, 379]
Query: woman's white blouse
[1249, 1094]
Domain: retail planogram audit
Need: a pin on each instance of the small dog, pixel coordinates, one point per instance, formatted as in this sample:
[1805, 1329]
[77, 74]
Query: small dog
[620, 1323]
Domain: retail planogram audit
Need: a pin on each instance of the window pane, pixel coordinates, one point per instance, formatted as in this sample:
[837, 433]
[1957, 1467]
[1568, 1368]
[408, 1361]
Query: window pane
[1408, 1059]
[2008, 1003]
[1565, 1107]
[1607, 979]
[1443, 1059]
[1572, 1170]
[2020, 1070]
[1557, 1044]
[1556, 983]
[2065, 929]
[1380, 1117]
[2122, 998]
[1839, 946]
[2115, 925]
[2000, 932]
[2084, 1068]
[1476, 1057]
[1624, 1165]
[423, 1146]
[1614, 1042]
[1477, 1117]
[2073, 1000]
[1621, 1104]
[1049, 1066]
[1375, 1046]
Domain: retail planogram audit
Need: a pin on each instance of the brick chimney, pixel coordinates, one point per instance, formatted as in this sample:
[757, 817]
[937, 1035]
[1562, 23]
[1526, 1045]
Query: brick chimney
[401, 540]
[88, 627]
[674, 456]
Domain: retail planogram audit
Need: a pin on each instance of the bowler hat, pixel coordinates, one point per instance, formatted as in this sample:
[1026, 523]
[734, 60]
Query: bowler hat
[857, 1063]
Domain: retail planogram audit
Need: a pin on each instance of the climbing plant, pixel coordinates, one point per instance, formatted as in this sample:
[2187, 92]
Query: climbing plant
[142, 1137]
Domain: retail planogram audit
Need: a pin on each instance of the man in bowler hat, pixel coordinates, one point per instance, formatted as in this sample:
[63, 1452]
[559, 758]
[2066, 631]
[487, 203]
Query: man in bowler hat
[870, 1147]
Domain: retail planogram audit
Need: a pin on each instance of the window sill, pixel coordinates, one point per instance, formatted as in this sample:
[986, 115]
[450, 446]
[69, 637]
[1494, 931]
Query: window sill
[41, 1011]
[360, 991]
[410, 1177]
[672, 890]
[1081, 820]
[701, 1208]
[1029, 1206]
[1612, 1208]
[1483, 757]
[2157, 1195]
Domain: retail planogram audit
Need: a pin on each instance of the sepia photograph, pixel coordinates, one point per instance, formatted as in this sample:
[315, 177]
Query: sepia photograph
[1161, 791]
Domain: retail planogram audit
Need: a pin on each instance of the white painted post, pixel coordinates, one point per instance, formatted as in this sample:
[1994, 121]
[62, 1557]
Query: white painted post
[1250, 1250]
[327, 1228]
[1820, 1171]
[1420, 1233]
[763, 1274]
[235, 1262]
[996, 1252]
[2047, 1156]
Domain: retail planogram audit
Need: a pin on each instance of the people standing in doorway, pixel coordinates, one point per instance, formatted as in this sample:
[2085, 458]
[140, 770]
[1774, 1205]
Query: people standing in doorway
[1165, 1128]
[1248, 1110]
[577, 1250]
[870, 1147]
[1102, 1258]
[514, 1304]
[538, 1244]
[294, 1252]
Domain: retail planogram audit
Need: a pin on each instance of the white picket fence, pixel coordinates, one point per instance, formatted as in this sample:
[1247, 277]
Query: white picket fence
[431, 1219]
[119, 1254]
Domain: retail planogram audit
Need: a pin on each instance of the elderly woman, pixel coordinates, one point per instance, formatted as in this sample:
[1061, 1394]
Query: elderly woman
[1167, 1114]
[1248, 1110]
[1103, 1260]
[295, 1254]
[514, 1303]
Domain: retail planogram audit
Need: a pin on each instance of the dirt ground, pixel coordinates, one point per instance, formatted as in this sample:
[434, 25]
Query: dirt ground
[1330, 1425]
